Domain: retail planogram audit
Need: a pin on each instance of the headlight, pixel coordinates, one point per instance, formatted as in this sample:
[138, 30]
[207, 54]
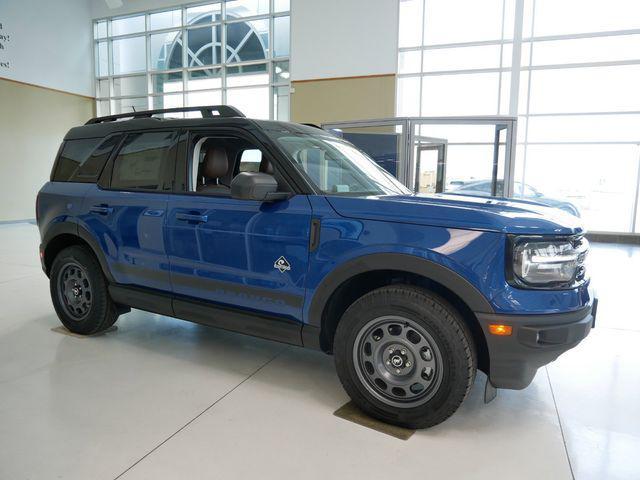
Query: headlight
[540, 263]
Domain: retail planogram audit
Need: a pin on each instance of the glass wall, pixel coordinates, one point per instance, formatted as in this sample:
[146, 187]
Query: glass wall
[569, 70]
[232, 52]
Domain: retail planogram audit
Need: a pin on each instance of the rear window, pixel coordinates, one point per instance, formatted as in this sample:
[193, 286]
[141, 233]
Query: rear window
[83, 160]
[145, 162]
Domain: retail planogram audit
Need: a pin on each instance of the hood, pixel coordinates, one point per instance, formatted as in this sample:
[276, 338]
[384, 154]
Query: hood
[460, 211]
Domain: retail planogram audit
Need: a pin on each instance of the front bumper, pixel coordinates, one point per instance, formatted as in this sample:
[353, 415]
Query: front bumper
[536, 340]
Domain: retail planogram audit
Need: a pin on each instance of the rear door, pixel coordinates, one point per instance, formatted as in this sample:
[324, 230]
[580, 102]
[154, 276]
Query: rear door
[126, 211]
[241, 253]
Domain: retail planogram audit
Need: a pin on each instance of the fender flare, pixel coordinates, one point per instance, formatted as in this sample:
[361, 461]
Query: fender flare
[72, 228]
[436, 272]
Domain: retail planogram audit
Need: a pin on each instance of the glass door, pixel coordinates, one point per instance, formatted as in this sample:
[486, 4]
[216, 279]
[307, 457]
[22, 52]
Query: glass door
[431, 156]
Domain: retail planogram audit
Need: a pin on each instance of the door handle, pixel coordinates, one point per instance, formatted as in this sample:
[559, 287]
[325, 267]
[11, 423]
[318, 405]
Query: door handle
[153, 213]
[190, 217]
[101, 209]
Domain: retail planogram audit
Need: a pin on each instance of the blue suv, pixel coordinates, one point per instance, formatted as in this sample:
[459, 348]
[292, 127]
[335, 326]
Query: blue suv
[285, 232]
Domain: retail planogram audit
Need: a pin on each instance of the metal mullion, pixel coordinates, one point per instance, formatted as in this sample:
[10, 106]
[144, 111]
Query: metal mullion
[223, 51]
[262, 16]
[249, 62]
[271, 88]
[586, 142]
[270, 66]
[560, 66]
[500, 59]
[634, 209]
[457, 72]
[208, 67]
[148, 62]
[164, 30]
[127, 35]
[125, 97]
[479, 43]
[526, 114]
[244, 87]
[138, 74]
[201, 25]
[563, 114]
[171, 70]
[576, 36]
[410, 49]
[424, 9]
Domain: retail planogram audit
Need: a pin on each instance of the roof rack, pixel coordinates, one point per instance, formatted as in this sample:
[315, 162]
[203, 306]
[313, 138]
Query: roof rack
[207, 112]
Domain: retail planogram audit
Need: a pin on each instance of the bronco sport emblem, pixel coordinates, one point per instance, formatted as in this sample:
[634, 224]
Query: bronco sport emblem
[282, 265]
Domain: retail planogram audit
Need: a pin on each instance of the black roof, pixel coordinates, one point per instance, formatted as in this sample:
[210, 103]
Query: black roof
[103, 126]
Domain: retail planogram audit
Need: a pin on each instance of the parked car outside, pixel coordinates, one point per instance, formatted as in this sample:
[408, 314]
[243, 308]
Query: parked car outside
[483, 187]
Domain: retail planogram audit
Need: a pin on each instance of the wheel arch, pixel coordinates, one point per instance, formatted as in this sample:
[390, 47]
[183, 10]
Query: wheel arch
[355, 278]
[65, 234]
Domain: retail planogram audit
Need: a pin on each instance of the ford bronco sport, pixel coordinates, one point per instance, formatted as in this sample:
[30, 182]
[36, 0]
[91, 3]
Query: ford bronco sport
[289, 233]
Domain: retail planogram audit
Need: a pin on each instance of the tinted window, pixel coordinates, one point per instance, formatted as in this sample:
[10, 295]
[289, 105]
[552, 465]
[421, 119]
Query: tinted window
[83, 160]
[145, 162]
[73, 155]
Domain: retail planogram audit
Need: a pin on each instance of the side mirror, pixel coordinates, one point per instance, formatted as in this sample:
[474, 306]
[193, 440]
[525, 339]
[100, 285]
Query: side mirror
[256, 186]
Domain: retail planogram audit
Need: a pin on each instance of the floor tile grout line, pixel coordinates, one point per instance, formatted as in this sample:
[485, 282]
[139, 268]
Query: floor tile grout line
[564, 440]
[199, 415]
[18, 278]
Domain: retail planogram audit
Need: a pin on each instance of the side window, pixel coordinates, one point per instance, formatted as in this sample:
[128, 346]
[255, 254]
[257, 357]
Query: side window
[216, 160]
[90, 170]
[250, 160]
[75, 153]
[145, 162]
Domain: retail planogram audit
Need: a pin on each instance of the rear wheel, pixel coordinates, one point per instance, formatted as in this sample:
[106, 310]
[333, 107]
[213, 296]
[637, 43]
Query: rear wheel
[79, 292]
[405, 356]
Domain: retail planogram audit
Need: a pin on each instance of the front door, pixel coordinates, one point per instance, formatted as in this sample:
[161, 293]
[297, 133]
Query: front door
[236, 253]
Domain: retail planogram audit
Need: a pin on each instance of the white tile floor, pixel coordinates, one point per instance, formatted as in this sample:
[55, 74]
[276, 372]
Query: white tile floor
[160, 398]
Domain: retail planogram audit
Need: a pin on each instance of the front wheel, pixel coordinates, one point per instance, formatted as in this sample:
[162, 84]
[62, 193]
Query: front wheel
[79, 292]
[405, 356]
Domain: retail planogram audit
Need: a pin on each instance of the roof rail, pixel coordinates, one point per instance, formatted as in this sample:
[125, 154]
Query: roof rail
[207, 112]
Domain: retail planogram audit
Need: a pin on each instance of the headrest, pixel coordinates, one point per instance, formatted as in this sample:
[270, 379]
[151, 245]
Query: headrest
[216, 163]
[265, 166]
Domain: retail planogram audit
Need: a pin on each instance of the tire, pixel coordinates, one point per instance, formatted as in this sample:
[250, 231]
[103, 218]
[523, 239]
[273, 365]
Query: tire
[79, 292]
[405, 356]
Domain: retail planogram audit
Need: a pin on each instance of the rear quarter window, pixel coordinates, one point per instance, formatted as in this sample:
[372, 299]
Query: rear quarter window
[83, 160]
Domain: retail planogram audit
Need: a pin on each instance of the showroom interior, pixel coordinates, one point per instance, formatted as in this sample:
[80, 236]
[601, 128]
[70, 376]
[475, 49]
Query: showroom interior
[532, 99]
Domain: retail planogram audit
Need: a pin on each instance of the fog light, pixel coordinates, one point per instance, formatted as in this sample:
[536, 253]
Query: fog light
[504, 330]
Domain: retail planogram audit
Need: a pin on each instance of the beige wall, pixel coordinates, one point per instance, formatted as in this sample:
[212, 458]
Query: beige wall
[33, 121]
[352, 98]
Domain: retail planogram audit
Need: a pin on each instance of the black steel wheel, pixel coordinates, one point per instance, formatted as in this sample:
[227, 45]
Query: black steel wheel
[74, 290]
[405, 356]
[79, 292]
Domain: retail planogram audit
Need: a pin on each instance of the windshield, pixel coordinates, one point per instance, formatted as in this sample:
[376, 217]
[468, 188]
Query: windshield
[336, 167]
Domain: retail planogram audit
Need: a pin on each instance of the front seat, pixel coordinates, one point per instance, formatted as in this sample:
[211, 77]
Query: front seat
[214, 168]
[265, 166]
